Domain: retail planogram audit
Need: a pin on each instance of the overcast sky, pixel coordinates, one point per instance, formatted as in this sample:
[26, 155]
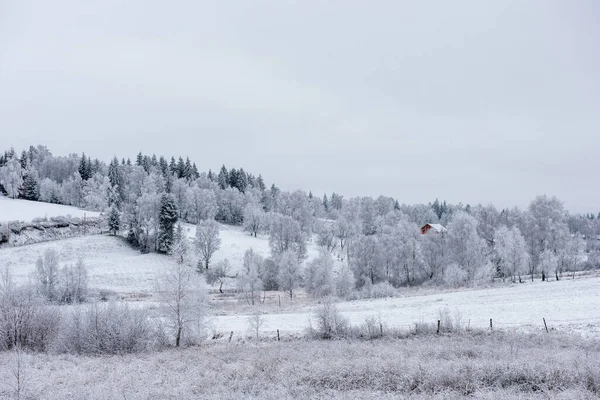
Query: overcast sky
[472, 101]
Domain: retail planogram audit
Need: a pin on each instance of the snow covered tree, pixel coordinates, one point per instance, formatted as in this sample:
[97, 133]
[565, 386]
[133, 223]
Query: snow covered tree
[96, 192]
[254, 219]
[207, 242]
[285, 234]
[47, 275]
[223, 178]
[511, 249]
[319, 276]
[249, 280]
[344, 281]
[30, 185]
[180, 290]
[290, 272]
[465, 246]
[180, 247]
[114, 220]
[11, 177]
[202, 204]
[167, 220]
[364, 260]
[218, 274]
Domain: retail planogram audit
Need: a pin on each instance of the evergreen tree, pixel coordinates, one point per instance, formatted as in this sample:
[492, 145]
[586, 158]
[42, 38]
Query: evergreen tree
[180, 168]
[83, 168]
[261, 183]
[30, 186]
[396, 205]
[89, 167]
[167, 220]
[163, 166]
[173, 166]
[223, 178]
[195, 172]
[242, 180]
[211, 175]
[24, 160]
[154, 161]
[325, 202]
[116, 180]
[233, 178]
[139, 161]
[114, 220]
[129, 162]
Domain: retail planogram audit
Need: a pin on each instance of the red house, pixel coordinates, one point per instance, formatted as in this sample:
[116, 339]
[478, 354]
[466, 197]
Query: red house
[434, 228]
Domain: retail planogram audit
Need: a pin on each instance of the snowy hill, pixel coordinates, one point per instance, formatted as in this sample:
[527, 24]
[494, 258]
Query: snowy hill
[25, 210]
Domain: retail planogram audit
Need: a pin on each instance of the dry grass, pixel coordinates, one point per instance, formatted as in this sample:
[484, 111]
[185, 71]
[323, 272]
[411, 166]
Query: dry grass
[478, 365]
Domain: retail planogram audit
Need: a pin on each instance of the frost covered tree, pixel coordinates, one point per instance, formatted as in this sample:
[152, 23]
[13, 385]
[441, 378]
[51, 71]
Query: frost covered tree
[47, 270]
[181, 291]
[96, 192]
[285, 234]
[290, 272]
[30, 184]
[465, 247]
[207, 242]
[364, 259]
[11, 177]
[167, 220]
[319, 276]
[344, 281]
[254, 219]
[114, 220]
[73, 283]
[548, 263]
[202, 204]
[218, 274]
[511, 250]
[180, 247]
[249, 280]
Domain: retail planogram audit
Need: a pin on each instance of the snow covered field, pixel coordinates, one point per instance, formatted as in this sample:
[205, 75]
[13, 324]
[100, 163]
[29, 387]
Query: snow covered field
[566, 305]
[113, 264]
[24, 210]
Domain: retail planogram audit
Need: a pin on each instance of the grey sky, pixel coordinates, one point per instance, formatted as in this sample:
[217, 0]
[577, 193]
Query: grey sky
[472, 101]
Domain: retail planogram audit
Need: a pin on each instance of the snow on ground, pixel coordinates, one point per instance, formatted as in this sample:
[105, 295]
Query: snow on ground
[572, 305]
[235, 242]
[111, 263]
[25, 210]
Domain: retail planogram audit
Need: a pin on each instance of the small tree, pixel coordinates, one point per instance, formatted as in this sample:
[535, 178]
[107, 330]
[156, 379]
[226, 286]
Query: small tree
[11, 177]
[47, 274]
[167, 218]
[207, 241]
[114, 220]
[255, 322]
[181, 294]
[319, 281]
[218, 274]
[290, 272]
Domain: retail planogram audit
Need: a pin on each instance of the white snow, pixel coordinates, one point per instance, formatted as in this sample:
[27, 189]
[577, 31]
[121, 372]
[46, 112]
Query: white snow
[565, 304]
[25, 210]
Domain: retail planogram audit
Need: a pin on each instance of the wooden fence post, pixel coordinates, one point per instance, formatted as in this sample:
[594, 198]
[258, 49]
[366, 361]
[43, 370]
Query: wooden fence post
[491, 326]
[438, 328]
[278, 335]
[546, 326]
[230, 336]
[279, 297]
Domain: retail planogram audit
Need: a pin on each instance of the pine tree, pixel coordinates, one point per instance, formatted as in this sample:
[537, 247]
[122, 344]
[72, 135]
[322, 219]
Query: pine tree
[195, 172]
[233, 178]
[325, 202]
[167, 220]
[24, 160]
[242, 180]
[261, 183]
[180, 168]
[223, 178]
[116, 180]
[211, 175]
[139, 161]
[30, 186]
[164, 166]
[83, 168]
[114, 220]
[173, 166]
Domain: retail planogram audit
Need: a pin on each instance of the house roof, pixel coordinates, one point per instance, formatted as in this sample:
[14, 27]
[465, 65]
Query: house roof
[438, 228]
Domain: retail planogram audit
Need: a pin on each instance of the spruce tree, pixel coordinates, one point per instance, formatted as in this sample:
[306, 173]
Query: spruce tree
[261, 183]
[233, 178]
[173, 166]
[83, 168]
[139, 161]
[114, 220]
[325, 202]
[223, 178]
[167, 219]
[30, 187]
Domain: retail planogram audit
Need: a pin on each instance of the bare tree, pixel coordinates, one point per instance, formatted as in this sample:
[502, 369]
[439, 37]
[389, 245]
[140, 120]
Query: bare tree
[181, 294]
[207, 241]
[255, 322]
